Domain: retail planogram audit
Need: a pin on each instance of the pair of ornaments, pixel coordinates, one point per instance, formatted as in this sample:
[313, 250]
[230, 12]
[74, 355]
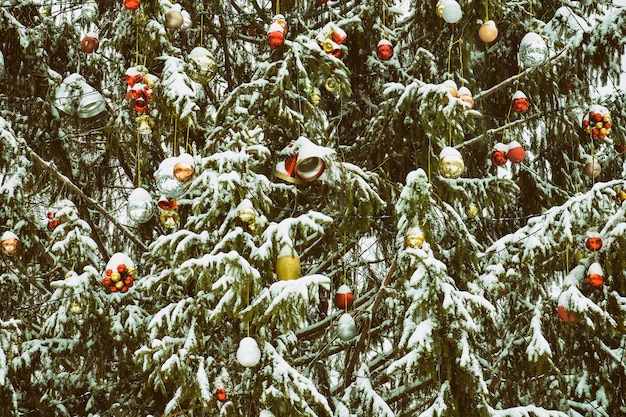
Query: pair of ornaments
[346, 326]
[75, 97]
[464, 94]
[451, 12]
[119, 275]
[139, 90]
[330, 37]
[512, 152]
[597, 122]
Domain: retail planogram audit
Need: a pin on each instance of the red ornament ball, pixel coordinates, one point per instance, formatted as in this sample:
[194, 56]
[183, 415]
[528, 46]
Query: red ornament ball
[221, 394]
[90, 43]
[566, 315]
[275, 36]
[132, 4]
[593, 243]
[344, 298]
[519, 102]
[595, 276]
[498, 155]
[515, 152]
[384, 50]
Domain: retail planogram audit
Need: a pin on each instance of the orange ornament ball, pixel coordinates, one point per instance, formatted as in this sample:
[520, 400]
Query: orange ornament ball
[384, 50]
[593, 243]
[221, 394]
[595, 275]
[488, 31]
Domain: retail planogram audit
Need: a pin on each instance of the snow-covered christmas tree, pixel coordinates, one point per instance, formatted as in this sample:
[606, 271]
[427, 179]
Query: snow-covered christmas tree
[312, 208]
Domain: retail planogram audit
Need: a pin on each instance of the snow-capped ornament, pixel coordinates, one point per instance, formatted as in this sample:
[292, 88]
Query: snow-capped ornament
[187, 23]
[414, 237]
[305, 164]
[564, 314]
[498, 154]
[287, 264]
[465, 95]
[472, 210]
[519, 102]
[451, 86]
[277, 32]
[132, 4]
[169, 218]
[451, 163]
[344, 297]
[174, 19]
[346, 327]
[165, 180]
[384, 50]
[184, 168]
[140, 205]
[119, 273]
[533, 51]
[90, 43]
[75, 97]
[515, 152]
[134, 75]
[330, 37]
[53, 221]
[595, 275]
[165, 203]
[593, 242]
[488, 31]
[597, 122]
[202, 65]
[9, 243]
[316, 97]
[449, 10]
[221, 395]
[248, 353]
[247, 214]
[592, 168]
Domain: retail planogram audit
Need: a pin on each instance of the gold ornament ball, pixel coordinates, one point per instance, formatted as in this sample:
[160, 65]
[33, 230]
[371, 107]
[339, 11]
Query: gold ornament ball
[414, 237]
[488, 31]
[76, 307]
[592, 169]
[247, 215]
[174, 19]
[471, 210]
[287, 264]
[10, 243]
[451, 163]
[116, 276]
[316, 97]
[183, 171]
[620, 196]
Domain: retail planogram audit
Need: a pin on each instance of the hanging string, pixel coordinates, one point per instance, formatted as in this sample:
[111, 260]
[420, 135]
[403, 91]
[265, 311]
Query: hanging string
[277, 6]
[136, 41]
[486, 10]
[345, 267]
[138, 161]
[567, 259]
[187, 146]
[460, 41]
[429, 152]
[201, 24]
[175, 131]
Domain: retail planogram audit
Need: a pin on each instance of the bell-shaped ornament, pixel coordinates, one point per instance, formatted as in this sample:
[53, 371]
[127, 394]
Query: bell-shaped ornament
[533, 51]
[248, 354]
[144, 125]
[287, 264]
[140, 205]
[346, 327]
[169, 219]
[10, 243]
[305, 165]
[451, 163]
[202, 66]
[184, 168]
[91, 102]
[133, 76]
[166, 182]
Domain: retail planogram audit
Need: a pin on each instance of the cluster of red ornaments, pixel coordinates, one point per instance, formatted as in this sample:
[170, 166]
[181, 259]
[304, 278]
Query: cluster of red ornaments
[138, 92]
[597, 122]
[53, 221]
[119, 280]
[512, 152]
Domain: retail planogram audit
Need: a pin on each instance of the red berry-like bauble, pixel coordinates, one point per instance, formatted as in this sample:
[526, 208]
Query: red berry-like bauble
[106, 281]
[122, 269]
[344, 298]
[384, 50]
[221, 395]
[124, 289]
[89, 43]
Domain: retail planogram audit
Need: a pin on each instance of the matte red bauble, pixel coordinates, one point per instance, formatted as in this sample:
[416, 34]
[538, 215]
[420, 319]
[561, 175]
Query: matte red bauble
[221, 395]
[384, 50]
[566, 315]
[519, 102]
[498, 155]
[515, 152]
[595, 276]
[344, 298]
[593, 243]
[132, 4]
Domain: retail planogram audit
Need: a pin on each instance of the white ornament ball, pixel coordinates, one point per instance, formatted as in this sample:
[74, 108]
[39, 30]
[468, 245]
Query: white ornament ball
[346, 327]
[140, 206]
[166, 182]
[450, 10]
[451, 163]
[248, 353]
[533, 51]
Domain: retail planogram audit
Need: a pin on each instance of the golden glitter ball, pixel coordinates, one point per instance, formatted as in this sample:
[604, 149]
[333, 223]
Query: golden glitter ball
[414, 237]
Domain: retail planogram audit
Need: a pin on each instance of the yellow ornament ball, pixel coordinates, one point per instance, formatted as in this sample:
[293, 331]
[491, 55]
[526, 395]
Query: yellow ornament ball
[287, 264]
[471, 210]
[488, 32]
[451, 163]
[414, 237]
[116, 276]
